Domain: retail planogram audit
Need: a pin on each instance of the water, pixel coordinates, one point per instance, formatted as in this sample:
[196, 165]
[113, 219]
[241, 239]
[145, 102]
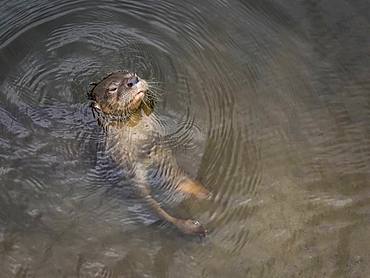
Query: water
[265, 102]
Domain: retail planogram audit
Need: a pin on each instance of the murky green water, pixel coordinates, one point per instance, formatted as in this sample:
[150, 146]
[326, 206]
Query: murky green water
[268, 104]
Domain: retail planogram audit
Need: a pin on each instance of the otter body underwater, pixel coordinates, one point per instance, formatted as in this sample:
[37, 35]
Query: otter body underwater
[124, 105]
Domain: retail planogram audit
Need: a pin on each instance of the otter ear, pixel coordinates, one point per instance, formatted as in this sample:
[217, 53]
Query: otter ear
[95, 105]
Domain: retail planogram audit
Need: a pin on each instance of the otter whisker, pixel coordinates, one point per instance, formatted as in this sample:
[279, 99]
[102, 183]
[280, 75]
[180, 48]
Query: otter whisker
[155, 87]
[153, 93]
[154, 81]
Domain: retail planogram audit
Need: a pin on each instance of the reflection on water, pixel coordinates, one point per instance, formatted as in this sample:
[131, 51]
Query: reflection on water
[265, 102]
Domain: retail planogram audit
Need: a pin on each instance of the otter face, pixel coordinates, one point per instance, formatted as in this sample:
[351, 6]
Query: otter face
[120, 93]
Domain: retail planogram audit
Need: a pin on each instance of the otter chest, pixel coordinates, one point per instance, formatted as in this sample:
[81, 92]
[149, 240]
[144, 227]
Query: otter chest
[130, 142]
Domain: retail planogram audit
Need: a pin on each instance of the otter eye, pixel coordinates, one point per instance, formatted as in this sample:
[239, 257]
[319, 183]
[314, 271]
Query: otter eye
[112, 88]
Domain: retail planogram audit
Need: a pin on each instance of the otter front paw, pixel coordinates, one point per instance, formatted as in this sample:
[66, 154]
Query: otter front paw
[191, 227]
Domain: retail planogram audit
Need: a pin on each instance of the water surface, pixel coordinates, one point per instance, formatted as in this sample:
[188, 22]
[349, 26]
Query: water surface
[267, 103]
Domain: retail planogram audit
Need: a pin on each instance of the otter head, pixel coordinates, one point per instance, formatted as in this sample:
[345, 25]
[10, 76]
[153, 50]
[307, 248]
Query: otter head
[120, 94]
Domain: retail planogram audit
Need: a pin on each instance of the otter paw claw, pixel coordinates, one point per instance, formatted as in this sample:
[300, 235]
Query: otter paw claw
[191, 227]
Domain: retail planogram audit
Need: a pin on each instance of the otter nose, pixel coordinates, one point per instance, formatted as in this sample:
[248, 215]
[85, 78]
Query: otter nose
[132, 81]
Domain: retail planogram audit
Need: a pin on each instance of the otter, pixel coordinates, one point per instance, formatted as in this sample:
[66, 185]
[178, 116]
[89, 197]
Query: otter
[123, 104]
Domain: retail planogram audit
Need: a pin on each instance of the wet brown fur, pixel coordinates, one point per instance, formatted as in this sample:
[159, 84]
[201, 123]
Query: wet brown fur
[123, 107]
